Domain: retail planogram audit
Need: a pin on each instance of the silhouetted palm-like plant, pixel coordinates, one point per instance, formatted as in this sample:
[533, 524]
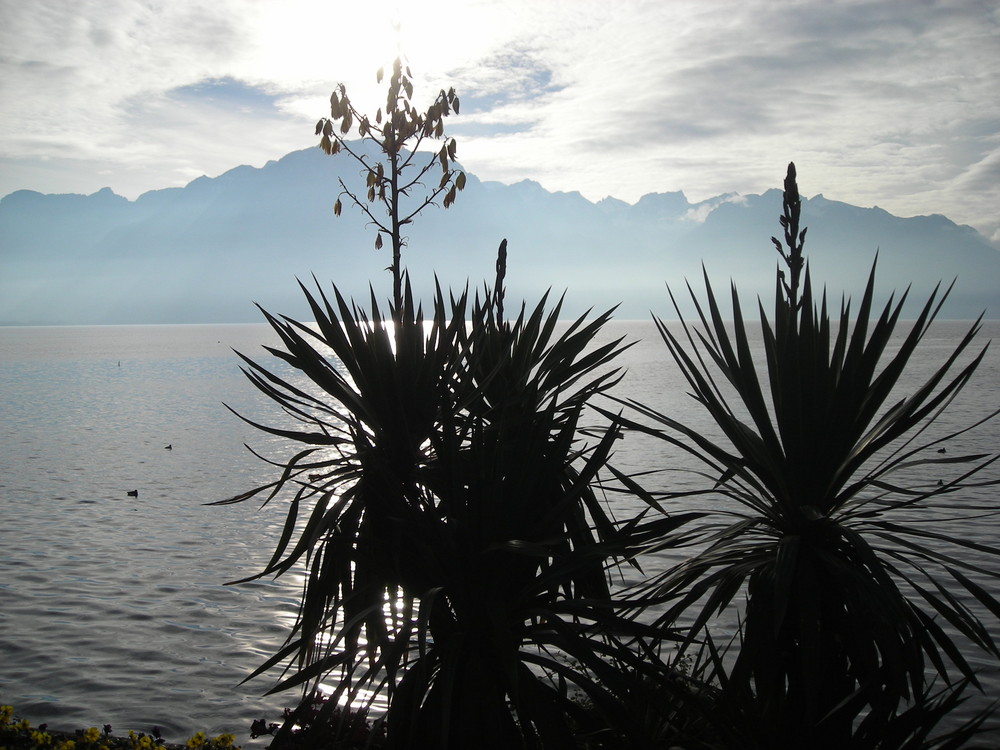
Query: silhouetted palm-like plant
[853, 589]
[444, 509]
[444, 506]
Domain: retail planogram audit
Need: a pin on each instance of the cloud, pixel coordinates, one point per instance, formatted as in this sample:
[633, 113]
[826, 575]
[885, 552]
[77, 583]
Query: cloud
[876, 101]
[699, 213]
[862, 95]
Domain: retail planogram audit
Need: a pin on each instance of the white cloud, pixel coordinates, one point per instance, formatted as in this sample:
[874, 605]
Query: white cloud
[700, 212]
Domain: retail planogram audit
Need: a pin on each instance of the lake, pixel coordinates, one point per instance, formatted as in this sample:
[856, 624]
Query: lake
[114, 608]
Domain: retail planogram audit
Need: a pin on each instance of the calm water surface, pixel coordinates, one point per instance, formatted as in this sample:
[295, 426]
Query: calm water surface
[113, 608]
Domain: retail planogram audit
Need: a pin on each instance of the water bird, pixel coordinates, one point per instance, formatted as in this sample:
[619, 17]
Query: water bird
[168, 447]
[942, 450]
[133, 493]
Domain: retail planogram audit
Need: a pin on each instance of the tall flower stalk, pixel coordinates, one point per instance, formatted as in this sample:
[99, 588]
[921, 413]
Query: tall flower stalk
[395, 181]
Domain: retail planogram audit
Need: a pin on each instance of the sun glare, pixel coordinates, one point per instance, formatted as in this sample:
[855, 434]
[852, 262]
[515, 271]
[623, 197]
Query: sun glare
[321, 44]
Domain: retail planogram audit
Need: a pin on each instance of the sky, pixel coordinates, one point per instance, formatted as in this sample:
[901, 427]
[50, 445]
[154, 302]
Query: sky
[894, 104]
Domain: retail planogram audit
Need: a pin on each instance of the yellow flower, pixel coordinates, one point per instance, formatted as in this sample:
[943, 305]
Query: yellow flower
[41, 739]
[91, 735]
[224, 741]
[197, 742]
[6, 712]
[67, 745]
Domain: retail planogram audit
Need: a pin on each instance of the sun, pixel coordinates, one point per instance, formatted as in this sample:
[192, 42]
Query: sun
[330, 42]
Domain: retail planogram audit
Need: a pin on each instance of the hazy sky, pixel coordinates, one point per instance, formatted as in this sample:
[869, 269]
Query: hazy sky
[895, 104]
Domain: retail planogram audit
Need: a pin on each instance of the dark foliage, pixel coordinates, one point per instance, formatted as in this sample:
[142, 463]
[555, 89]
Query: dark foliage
[819, 519]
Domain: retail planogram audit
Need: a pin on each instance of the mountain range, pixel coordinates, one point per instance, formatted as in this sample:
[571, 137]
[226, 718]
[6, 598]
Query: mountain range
[206, 252]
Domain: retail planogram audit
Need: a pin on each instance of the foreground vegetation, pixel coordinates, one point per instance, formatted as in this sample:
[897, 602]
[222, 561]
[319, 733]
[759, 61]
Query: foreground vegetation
[18, 734]
[448, 507]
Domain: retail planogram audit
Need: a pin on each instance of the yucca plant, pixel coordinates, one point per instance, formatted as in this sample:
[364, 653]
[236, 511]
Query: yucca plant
[444, 508]
[855, 593]
[443, 504]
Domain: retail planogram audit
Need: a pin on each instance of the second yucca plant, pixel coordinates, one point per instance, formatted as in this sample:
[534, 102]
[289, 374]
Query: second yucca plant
[852, 603]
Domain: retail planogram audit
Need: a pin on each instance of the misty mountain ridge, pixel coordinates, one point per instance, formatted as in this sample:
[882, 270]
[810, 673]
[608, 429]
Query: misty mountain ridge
[205, 252]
